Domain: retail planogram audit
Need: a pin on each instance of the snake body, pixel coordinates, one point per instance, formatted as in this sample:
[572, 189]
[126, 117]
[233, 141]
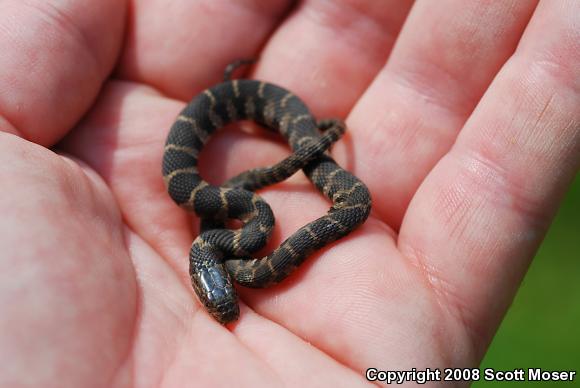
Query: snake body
[219, 254]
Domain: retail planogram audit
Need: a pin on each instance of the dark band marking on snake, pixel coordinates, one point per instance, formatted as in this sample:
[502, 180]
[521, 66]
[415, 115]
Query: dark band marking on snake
[218, 254]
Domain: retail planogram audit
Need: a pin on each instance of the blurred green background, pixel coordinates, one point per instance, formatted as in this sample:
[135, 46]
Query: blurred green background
[542, 327]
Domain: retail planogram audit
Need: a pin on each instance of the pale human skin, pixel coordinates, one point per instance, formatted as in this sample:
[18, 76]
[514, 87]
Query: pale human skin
[464, 123]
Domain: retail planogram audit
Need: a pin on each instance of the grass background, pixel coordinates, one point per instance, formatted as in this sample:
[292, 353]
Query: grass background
[542, 327]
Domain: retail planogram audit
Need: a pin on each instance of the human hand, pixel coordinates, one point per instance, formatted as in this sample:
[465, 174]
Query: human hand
[467, 134]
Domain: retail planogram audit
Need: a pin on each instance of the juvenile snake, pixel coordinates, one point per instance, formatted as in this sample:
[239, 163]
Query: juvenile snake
[218, 254]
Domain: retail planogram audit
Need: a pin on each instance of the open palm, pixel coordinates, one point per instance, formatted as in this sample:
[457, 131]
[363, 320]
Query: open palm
[464, 123]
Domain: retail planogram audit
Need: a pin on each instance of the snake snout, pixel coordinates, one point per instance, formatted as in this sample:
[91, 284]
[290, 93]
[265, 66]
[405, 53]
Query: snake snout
[216, 292]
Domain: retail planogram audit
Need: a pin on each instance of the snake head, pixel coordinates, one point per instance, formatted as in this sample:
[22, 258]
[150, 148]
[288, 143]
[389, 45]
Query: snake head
[215, 290]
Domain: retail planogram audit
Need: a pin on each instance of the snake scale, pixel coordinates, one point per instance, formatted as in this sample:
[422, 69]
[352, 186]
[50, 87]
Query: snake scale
[219, 254]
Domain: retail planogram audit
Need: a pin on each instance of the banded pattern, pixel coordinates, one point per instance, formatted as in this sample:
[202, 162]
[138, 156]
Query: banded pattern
[219, 254]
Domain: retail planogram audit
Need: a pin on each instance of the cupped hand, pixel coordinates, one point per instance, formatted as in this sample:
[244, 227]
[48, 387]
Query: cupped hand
[464, 121]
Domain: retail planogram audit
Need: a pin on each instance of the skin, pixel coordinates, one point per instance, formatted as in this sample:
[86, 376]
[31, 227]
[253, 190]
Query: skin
[464, 123]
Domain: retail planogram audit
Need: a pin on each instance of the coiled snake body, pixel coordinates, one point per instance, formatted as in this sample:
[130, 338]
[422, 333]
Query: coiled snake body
[219, 254]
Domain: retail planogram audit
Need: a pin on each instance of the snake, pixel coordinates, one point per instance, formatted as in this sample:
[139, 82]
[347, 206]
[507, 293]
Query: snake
[220, 256]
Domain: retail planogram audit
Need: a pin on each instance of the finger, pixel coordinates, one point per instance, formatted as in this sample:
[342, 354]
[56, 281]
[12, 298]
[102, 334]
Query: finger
[60, 53]
[445, 57]
[476, 222]
[340, 46]
[188, 48]
[67, 289]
